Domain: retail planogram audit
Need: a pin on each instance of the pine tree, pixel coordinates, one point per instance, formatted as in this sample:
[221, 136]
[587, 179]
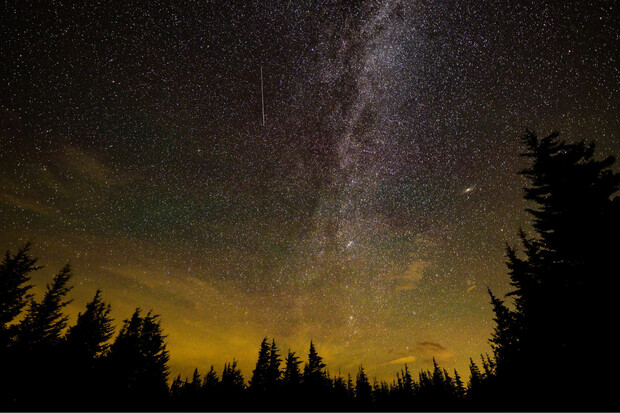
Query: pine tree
[475, 380]
[15, 273]
[407, 382]
[564, 284]
[232, 386]
[176, 390]
[314, 370]
[85, 345]
[459, 386]
[350, 387]
[380, 393]
[138, 360]
[14, 288]
[259, 381]
[209, 399]
[363, 390]
[488, 366]
[211, 380]
[90, 335]
[448, 384]
[437, 376]
[504, 341]
[45, 322]
[273, 369]
[292, 374]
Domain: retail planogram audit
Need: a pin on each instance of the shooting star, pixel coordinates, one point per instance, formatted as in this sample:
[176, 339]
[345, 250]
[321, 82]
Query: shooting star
[262, 94]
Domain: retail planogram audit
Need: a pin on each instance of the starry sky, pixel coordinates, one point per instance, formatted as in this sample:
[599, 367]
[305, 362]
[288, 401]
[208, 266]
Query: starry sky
[368, 213]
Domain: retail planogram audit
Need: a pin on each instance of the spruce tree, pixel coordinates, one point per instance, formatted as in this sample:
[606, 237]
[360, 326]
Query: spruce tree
[475, 380]
[259, 381]
[90, 335]
[45, 322]
[14, 288]
[209, 392]
[273, 369]
[292, 375]
[85, 345]
[314, 370]
[363, 390]
[137, 362]
[459, 386]
[15, 273]
[505, 337]
[232, 387]
[407, 382]
[564, 283]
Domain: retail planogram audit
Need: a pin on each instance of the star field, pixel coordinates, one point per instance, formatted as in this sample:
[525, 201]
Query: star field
[369, 213]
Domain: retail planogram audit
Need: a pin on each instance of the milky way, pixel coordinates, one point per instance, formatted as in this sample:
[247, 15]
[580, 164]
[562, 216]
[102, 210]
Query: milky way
[369, 213]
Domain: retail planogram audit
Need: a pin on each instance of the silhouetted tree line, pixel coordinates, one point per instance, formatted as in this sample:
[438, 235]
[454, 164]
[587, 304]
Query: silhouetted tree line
[47, 366]
[553, 342]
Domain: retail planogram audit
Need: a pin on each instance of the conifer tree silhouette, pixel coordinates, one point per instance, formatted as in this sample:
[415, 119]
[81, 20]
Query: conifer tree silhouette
[14, 277]
[314, 370]
[176, 391]
[259, 381]
[232, 387]
[339, 400]
[273, 369]
[37, 344]
[459, 387]
[350, 388]
[564, 286]
[15, 270]
[292, 374]
[405, 388]
[475, 380]
[209, 397]
[138, 362]
[363, 390]
[85, 345]
[90, 336]
[315, 381]
[44, 322]
[437, 377]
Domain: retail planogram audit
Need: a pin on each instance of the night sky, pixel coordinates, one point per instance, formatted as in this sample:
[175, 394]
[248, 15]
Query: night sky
[369, 213]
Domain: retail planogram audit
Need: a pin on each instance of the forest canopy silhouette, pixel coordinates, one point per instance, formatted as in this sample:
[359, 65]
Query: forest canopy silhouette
[547, 344]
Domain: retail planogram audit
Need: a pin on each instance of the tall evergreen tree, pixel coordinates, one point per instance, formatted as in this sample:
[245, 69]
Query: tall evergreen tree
[45, 322]
[232, 387]
[292, 374]
[350, 387]
[137, 362]
[85, 345]
[14, 288]
[211, 380]
[437, 375]
[363, 390]
[505, 337]
[459, 386]
[316, 384]
[475, 380]
[564, 284]
[407, 382]
[339, 399]
[273, 369]
[15, 273]
[314, 370]
[89, 337]
[209, 392]
[259, 381]
[176, 390]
